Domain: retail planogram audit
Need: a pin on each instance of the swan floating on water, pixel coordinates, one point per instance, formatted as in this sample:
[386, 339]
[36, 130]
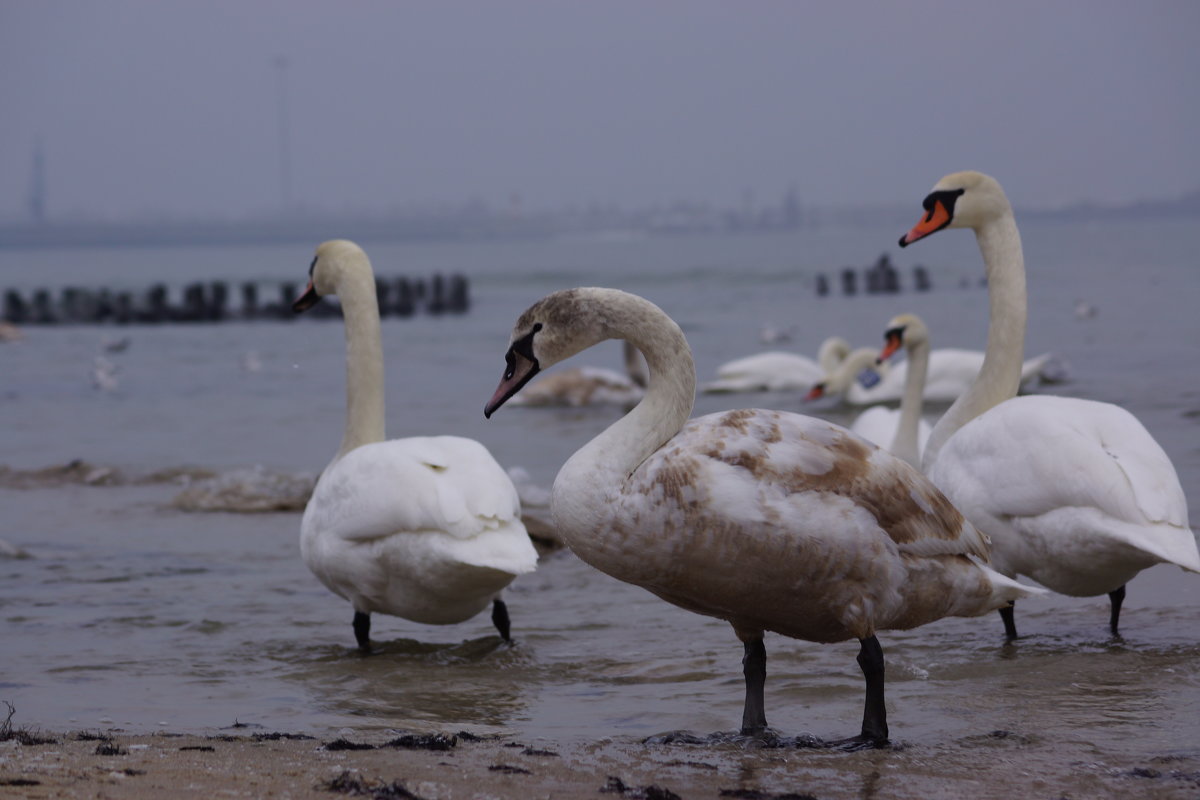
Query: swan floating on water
[426, 528]
[769, 520]
[778, 370]
[1075, 494]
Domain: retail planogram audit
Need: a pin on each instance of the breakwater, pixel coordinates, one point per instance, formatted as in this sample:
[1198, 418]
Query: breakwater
[217, 301]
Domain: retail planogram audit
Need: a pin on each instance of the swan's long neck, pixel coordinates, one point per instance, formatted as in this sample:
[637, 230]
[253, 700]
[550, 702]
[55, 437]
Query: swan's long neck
[590, 478]
[906, 442]
[1000, 376]
[831, 353]
[364, 362]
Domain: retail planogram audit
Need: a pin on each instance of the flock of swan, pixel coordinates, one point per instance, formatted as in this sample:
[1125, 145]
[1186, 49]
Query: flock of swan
[770, 520]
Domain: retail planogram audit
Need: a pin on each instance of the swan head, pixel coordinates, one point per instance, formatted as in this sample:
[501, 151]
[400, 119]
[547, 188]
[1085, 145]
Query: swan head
[555, 328]
[904, 330]
[859, 365]
[960, 200]
[333, 260]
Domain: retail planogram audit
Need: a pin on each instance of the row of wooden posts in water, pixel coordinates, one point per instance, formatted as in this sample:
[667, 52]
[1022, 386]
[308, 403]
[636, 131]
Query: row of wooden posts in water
[881, 278]
[399, 297]
[215, 302]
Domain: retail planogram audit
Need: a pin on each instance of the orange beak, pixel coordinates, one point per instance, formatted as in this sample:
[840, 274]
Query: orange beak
[934, 221]
[815, 392]
[893, 343]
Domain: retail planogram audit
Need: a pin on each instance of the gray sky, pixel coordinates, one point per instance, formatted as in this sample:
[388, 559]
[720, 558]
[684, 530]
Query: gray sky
[170, 106]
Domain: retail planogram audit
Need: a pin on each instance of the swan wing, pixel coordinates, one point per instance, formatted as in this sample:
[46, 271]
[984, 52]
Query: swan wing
[813, 462]
[446, 484]
[1040, 453]
[774, 370]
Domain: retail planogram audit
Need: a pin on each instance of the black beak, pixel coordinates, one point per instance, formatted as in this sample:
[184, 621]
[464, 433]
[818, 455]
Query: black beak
[307, 300]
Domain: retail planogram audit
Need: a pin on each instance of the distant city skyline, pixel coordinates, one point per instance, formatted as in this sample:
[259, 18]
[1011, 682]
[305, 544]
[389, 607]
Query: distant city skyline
[206, 110]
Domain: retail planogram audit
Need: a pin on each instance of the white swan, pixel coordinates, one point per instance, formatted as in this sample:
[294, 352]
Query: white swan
[877, 424]
[777, 370]
[589, 386]
[769, 520]
[424, 528]
[950, 373]
[1075, 494]
[909, 433]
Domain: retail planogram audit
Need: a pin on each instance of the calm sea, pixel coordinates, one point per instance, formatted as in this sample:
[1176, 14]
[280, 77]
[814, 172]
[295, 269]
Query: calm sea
[133, 613]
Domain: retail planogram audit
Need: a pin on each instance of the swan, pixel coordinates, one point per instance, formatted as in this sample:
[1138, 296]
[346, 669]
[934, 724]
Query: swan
[1075, 494]
[585, 386]
[879, 424]
[777, 370]
[427, 528]
[769, 520]
[950, 373]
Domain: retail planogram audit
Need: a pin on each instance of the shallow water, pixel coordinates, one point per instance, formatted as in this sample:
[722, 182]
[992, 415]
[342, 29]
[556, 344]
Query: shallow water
[134, 613]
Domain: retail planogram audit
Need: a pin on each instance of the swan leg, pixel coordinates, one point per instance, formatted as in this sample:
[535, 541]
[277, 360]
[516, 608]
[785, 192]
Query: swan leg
[500, 618]
[754, 666]
[362, 631]
[1010, 626]
[870, 659]
[1115, 597]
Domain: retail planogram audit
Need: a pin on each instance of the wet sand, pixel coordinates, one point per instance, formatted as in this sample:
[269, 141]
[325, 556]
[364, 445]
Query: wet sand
[1012, 765]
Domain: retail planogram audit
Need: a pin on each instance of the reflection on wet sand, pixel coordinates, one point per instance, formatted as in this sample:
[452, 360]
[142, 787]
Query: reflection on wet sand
[407, 682]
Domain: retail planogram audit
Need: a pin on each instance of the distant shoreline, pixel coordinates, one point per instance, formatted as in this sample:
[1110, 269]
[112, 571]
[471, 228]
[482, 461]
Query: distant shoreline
[487, 226]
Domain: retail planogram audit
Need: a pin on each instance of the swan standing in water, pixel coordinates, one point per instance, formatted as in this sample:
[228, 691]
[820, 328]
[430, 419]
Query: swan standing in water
[1075, 494]
[589, 386]
[425, 528]
[777, 370]
[769, 520]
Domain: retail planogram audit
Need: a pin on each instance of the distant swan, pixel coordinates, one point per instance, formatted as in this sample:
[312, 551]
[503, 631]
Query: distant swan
[1075, 494]
[589, 386]
[778, 371]
[950, 373]
[769, 520]
[425, 528]
[878, 424]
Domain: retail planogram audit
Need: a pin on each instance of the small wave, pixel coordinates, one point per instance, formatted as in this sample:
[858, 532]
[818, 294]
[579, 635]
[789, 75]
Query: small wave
[12, 551]
[79, 471]
[248, 491]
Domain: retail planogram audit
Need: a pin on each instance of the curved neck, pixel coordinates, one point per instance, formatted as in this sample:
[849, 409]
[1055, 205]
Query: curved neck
[611, 457]
[1000, 376]
[364, 362]
[851, 367]
[831, 353]
[635, 367]
[906, 442]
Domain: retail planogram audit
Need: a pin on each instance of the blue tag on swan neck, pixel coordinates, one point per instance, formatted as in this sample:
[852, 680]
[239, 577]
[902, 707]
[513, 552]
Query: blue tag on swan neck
[868, 378]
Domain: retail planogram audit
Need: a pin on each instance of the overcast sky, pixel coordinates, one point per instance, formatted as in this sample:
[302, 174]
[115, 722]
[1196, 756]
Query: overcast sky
[171, 106]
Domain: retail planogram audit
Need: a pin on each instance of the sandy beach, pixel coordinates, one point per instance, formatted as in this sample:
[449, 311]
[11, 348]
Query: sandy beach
[459, 766]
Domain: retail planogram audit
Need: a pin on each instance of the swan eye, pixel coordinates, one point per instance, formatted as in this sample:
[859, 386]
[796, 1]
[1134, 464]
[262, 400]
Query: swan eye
[524, 346]
[946, 197]
[510, 364]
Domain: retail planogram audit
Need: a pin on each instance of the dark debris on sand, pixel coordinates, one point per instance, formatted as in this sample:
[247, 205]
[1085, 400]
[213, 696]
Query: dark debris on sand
[351, 783]
[436, 741]
[408, 741]
[652, 792]
[21, 736]
[509, 769]
[755, 794]
[346, 744]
